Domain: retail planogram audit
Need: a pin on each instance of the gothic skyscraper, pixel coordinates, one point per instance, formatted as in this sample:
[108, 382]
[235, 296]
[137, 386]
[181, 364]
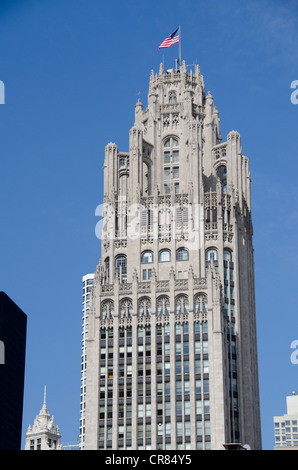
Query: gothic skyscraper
[172, 346]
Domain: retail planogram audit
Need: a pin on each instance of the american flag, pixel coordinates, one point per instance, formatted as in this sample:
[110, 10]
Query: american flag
[172, 39]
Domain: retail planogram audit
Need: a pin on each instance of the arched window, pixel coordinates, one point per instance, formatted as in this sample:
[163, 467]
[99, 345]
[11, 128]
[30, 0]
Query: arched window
[164, 255]
[121, 266]
[172, 97]
[120, 263]
[163, 305]
[107, 269]
[181, 304]
[107, 308]
[144, 307]
[222, 175]
[182, 254]
[171, 142]
[200, 303]
[147, 257]
[211, 254]
[227, 255]
[228, 273]
[125, 308]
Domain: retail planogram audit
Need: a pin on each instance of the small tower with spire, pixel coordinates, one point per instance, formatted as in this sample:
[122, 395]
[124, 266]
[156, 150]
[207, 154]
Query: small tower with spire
[43, 435]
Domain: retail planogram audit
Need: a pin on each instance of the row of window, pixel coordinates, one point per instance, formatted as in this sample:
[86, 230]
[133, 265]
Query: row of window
[144, 430]
[286, 423]
[162, 306]
[180, 329]
[144, 410]
[145, 351]
[201, 388]
[182, 254]
[164, 255]
[161, 330]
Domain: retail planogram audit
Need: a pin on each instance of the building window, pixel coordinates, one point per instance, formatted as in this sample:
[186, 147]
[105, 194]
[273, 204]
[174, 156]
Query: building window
[171, 159]
[164, 255]
[167, 189]
[172, 97]
[167, 157]
[107, 309]
[147, 273]
[167, 173]
[182, 215]
[144, 307]
[181, 304]
[125, 308]
[146, 217]
[147, 257]
[222, 176]
[179, 429]
[171, 142]
[200, 304]
[182, 254]
[163, 305]
[211, 254]
[121, 266]
[107, 269]
[176, 172]
[227, 255]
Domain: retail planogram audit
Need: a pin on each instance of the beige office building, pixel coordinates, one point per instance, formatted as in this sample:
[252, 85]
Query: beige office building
[172, 346]
[286, 426]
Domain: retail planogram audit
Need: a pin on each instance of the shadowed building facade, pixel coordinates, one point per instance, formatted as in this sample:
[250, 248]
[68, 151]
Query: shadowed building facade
[13, 330]
[172, 345]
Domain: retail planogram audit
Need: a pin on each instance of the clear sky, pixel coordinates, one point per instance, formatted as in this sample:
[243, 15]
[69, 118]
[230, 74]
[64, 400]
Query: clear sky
[73, 71]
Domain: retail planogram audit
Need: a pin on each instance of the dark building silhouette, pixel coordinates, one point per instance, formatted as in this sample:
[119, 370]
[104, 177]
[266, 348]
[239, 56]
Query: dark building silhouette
[13, 327]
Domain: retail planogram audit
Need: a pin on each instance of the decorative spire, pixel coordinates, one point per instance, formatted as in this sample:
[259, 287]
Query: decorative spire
[183, 67]
[44, 429]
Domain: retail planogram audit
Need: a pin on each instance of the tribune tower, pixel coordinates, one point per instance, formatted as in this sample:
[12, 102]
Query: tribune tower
[172, 347]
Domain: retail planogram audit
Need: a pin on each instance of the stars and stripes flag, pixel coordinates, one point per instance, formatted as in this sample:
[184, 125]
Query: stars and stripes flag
[172, 39]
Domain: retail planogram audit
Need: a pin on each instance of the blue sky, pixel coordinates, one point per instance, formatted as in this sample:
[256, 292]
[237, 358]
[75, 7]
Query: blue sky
[73, 71]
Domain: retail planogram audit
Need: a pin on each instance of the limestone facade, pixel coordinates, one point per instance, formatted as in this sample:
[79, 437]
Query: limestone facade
[172, 346]
[43, 435]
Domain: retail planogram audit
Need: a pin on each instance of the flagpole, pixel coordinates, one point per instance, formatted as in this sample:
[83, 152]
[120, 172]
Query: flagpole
[180, 45]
